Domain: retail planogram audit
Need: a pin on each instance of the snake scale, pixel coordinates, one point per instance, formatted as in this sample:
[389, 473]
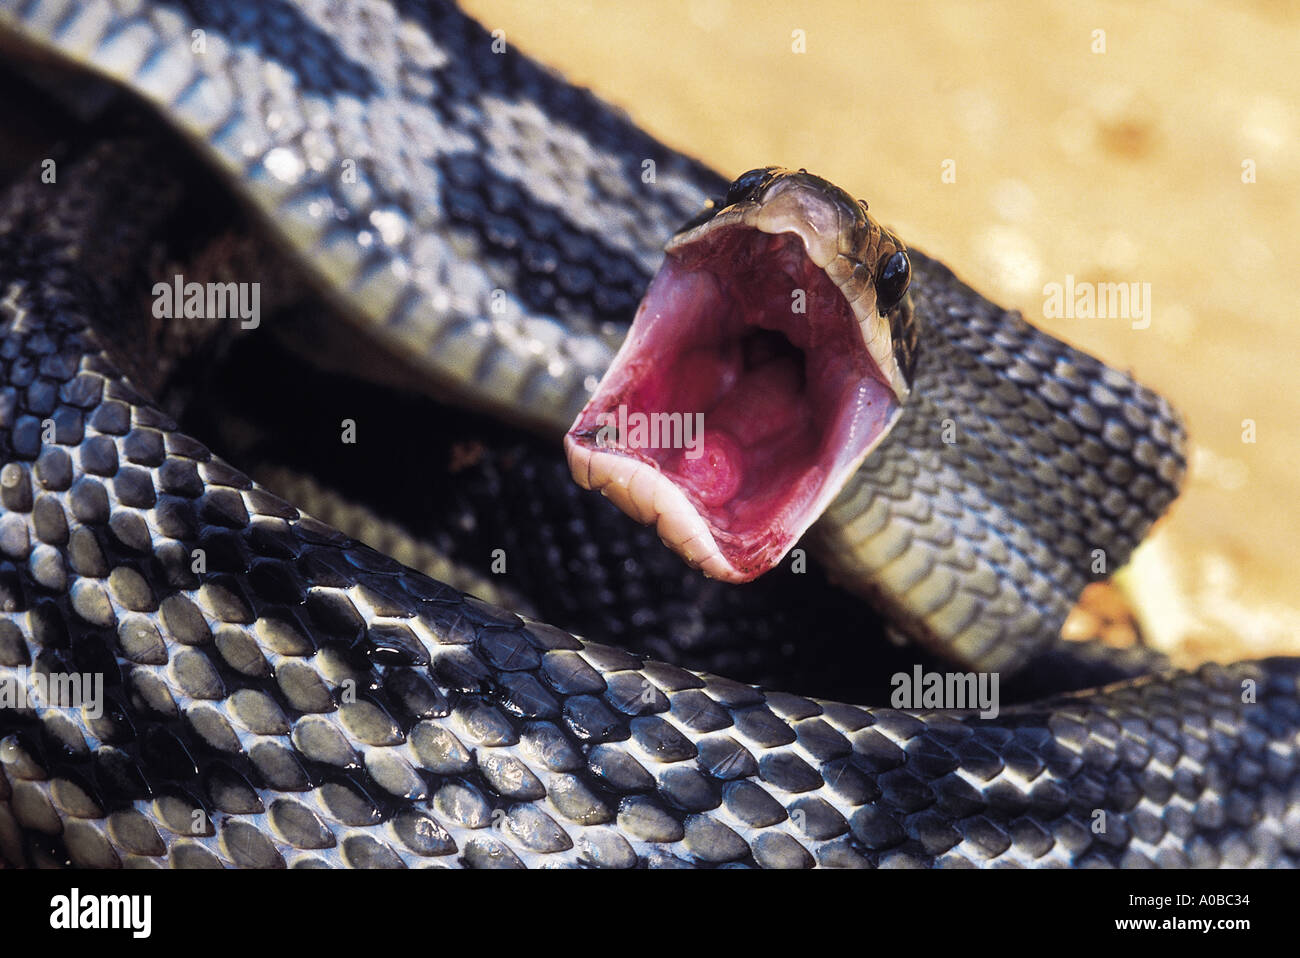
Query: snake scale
[433, 213]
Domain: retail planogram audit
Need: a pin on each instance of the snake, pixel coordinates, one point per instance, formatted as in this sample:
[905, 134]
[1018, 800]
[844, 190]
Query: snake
[447, 241]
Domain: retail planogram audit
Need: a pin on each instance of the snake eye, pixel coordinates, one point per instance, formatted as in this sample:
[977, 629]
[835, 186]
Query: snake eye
[747, 184]
[891, 281]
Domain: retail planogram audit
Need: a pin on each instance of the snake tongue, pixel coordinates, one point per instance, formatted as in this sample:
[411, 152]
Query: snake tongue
[741, 401]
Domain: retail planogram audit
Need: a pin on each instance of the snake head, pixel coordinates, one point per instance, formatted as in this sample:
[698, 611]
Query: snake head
[771, 354]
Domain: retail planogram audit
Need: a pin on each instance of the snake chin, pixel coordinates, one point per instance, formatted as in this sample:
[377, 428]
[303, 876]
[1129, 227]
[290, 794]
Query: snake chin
[744, 396]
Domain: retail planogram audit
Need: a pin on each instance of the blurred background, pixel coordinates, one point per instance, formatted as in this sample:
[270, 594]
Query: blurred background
[1136, 143]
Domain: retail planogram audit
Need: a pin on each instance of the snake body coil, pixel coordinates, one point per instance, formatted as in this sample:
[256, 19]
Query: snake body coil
[277, 694]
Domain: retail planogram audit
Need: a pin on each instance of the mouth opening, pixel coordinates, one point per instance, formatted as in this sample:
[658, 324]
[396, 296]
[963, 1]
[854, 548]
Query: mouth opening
[742, 399]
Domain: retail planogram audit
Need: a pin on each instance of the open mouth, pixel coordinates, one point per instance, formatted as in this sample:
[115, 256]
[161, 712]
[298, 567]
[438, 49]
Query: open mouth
[748, 390]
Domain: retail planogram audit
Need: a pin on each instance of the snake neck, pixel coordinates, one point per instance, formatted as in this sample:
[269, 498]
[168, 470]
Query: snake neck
[1021, 470]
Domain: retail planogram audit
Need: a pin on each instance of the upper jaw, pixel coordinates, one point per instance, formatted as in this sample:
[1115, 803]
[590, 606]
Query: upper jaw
[832, 227]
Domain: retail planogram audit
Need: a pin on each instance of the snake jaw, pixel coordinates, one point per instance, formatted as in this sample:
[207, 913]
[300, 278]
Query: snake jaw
[759, 349]
[639, 490]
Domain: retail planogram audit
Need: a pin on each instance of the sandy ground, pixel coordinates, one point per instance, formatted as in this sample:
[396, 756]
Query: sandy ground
[1160, 150]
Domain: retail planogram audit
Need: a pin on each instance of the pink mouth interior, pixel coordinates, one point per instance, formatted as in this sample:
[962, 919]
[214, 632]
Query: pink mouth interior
[790, 399]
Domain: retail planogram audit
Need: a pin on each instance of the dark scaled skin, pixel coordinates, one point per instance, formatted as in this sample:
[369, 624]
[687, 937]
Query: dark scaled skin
[301, 700]
[470, 486]
[378, 718]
